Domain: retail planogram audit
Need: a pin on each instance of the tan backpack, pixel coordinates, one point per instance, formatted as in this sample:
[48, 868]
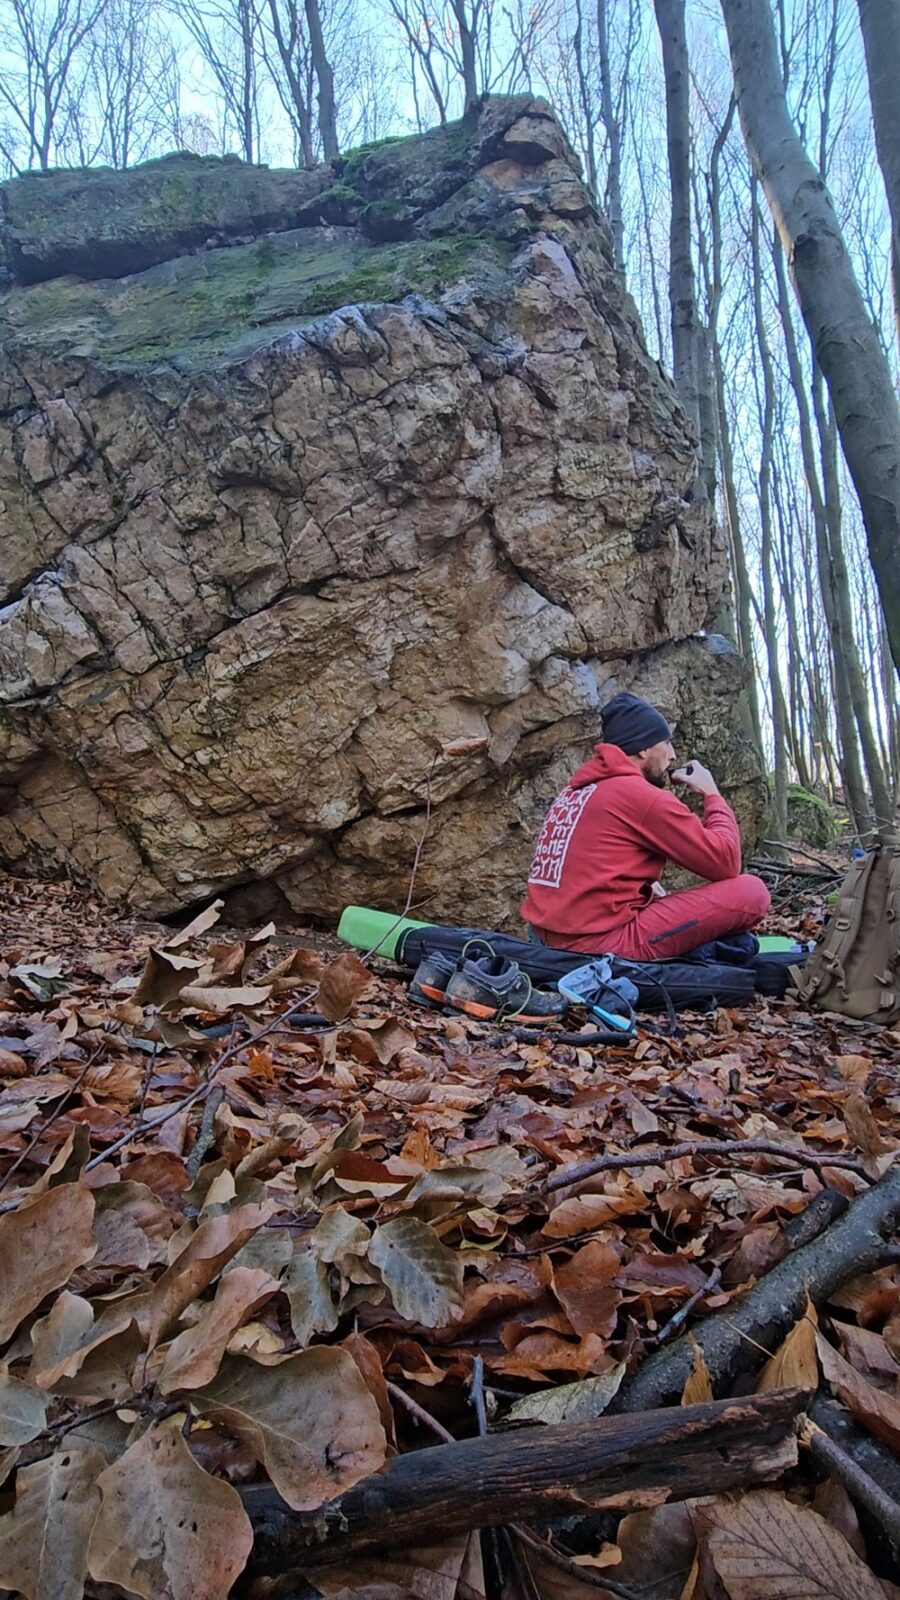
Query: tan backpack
[856, 968]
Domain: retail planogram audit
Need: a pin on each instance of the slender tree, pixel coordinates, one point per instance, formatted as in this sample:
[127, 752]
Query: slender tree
[846, 345]
[880, 24]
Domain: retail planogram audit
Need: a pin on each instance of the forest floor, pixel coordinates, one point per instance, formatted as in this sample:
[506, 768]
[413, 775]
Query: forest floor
[238, 1258]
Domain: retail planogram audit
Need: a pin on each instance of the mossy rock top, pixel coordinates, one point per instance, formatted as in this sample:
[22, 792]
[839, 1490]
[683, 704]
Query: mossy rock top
[100, 223]
[221, 304]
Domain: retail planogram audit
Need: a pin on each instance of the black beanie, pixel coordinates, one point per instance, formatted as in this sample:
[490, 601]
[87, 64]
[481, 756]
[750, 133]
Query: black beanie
[632, 724]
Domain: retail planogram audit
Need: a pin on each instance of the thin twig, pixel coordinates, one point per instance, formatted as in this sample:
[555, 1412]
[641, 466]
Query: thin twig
[421, 1415]
[415, 867]
[45, 1127]
[566, 1564]
[698, 1147]
[206, 1133]
[683, 1312]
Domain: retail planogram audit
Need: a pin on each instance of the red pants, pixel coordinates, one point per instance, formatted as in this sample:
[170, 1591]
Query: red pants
[676, 923]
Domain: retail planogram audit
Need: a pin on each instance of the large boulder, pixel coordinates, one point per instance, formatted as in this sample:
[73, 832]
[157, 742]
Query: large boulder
[285, 518]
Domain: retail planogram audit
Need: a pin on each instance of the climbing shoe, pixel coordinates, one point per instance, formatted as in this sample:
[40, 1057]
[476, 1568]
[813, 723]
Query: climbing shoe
[428, 985]
[492, 988]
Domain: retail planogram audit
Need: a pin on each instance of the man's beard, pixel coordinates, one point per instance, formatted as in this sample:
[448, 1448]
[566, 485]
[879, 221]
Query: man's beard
[658, 779]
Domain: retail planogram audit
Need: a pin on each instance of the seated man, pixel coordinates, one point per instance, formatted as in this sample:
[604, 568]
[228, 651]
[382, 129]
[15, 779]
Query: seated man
[594, 884]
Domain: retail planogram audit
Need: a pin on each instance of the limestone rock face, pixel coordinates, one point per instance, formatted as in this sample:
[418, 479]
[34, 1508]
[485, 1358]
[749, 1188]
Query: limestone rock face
[283, 518]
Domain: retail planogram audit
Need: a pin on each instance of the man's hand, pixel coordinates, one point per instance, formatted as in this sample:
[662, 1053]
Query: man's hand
[696, 777]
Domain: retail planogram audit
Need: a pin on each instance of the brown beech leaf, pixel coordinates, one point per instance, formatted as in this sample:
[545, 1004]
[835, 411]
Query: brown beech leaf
[163, 977]
[200, 924]
[309, 1296]
[23, 1411]
[166, 1527]
[862, 1127]
[450, 1570]
[764, 1545]
[341, 985]
[877, 1409]
[699, 1384]
[794, 1364]
[215, 1241]
[369, 1362]
[40, 1247]
[130, 1226]
[300, 967]
[423, 1277]
[44, 1539]
[194, 1357]
[586, 1288]
[854, 1069]
[311, 1421]
[219, 1001]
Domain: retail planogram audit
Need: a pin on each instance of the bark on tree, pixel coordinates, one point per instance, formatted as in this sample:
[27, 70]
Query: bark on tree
[767, 421]
[880, 24]
[613, 139]
[846, 344]
[325, 81]
[839, 625]
[670, 18]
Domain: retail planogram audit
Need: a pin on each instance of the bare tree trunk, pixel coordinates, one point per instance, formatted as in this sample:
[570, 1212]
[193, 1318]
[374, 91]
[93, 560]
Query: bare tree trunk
[839, 624]
[847, 346]
[779, 713]
[613, 139]
[324, 79]
[467, 52]
[670, 18]
[880, 24]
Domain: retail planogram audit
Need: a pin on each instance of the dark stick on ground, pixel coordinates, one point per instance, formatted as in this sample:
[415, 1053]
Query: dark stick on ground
[542, 1472]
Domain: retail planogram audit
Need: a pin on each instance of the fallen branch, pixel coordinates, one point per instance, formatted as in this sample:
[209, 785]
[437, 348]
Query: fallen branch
[856, 1479]
[789, 1153]
[739, 1337]
[620, 1462]
[872, 1460]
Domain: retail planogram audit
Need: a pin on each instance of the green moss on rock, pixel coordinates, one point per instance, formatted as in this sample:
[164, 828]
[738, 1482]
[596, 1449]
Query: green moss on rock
[223, 303]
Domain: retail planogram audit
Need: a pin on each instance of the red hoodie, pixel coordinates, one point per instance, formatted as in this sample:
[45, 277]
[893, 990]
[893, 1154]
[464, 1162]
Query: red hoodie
[606, 839]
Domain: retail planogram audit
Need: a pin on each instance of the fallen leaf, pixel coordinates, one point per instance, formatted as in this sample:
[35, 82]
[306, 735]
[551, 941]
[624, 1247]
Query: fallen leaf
[309, 1296]
[765, 1545]
[23, 1411]
[163, 977]
[220, 1001]
[570, 1402]
[166, 1527]
[193, 1358]
[342, 983]
[699, 1384]
[423, 1277]
[450, 1570]
[854, 1069]
[44, 1539]
[878, 1410]
[199, 924]
[587, 1290]
[311, 1421]
[794, 1364]
[861, 1126]
[213, 1243]
[40, 1247]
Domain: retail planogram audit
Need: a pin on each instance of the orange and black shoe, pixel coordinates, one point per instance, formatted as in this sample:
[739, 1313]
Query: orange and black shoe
[428, 985]
[493, 988]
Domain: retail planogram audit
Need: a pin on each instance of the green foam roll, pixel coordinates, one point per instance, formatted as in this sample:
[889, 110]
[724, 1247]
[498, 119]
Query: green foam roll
[378, 931]
[770, 942]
